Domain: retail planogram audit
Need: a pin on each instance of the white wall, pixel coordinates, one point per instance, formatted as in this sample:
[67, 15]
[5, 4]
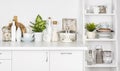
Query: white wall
[27, 10]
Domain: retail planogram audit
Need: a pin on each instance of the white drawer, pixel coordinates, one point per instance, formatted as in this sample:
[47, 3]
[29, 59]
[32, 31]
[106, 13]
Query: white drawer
[5, 54]
[5, 65]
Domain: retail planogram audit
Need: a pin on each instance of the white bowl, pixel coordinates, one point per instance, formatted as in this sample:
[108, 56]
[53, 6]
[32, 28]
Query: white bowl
[27, 37]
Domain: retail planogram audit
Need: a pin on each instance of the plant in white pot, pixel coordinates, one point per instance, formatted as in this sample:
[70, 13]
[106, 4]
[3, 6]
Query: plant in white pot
[91, 33]
[38, 27]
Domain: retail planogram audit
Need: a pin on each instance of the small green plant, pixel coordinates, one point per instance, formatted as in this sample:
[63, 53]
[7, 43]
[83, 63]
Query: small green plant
[39, 24]
[90, 27]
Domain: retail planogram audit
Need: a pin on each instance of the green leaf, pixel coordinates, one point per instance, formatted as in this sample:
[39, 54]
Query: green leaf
[38, 18]
[39, 25]
[90, 26]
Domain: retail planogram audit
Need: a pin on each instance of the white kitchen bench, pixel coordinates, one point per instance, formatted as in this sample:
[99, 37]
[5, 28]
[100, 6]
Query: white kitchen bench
[42, 56]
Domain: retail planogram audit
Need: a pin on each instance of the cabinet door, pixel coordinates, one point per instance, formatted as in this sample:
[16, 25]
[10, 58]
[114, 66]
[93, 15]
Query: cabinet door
[5, 65]
[30, 61]
[66, 61]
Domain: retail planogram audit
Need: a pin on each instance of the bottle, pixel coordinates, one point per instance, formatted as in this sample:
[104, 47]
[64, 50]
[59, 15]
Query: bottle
[18, 35]
[54, 31]
[90, 59]
[99, 55]
[49, 27]
[47, 36]
[13, 32]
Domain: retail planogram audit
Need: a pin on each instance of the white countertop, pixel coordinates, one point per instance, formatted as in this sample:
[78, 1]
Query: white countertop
[41, 46]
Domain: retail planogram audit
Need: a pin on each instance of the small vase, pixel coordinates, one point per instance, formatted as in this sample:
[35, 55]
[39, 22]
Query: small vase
[91, 35]
[38, 36]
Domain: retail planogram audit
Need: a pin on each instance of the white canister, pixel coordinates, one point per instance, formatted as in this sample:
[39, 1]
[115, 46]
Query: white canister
[96, 10]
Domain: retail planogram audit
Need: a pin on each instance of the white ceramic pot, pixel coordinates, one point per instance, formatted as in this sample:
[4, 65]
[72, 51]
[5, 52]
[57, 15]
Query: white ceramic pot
[91, 35]
[38, 36]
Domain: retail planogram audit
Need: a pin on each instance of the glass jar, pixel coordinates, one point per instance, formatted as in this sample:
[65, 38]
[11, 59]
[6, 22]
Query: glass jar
[102, 9]
[6, 33]
[90, 57]
[107, 57]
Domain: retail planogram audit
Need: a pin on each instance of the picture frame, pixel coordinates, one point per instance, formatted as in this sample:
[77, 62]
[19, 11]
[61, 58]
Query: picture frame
[69, 24]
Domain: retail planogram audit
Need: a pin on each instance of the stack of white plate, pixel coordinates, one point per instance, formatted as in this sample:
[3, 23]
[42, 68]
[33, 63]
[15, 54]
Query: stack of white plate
[105, 35]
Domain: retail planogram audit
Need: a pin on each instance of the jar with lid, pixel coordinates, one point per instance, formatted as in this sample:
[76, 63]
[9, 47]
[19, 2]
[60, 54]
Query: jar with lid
[107, 57]
[6, 33]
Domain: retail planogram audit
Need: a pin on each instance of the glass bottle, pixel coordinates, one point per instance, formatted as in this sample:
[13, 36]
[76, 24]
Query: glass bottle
[47, 35]
[90, 59]
[54, 31]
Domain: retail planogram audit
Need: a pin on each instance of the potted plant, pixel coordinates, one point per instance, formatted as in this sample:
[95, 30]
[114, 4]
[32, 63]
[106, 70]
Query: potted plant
[91, 27]
[37, 27]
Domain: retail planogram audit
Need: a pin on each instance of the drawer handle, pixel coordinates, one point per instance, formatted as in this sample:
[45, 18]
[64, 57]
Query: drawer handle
[46, 56]
[67, 53]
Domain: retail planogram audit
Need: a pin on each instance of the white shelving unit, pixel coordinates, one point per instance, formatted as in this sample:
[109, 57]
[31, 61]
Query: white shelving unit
[107, 43]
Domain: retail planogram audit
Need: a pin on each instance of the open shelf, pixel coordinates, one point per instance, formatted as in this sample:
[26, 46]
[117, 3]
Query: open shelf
[91, 14]
[103, 12]
[108, 40]
[102, 65]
